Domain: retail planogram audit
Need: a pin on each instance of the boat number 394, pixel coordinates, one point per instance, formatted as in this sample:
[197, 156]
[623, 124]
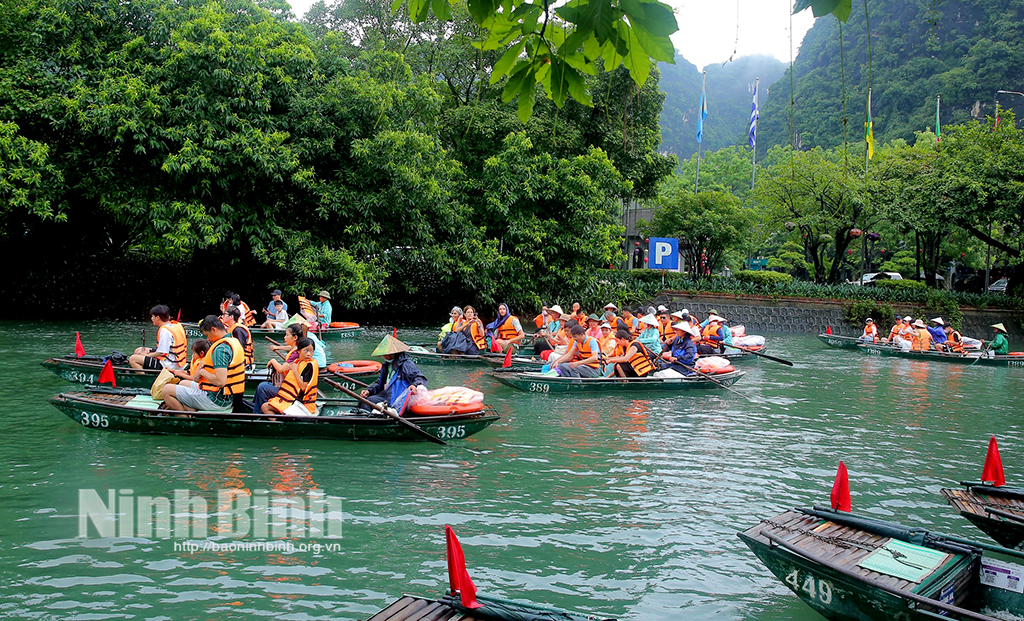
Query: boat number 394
[539, 387]
[815, 588]
[93, 419]
[451, 433]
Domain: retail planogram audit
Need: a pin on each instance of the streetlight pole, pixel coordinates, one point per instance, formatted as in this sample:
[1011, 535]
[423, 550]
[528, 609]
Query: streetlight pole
[988, 247]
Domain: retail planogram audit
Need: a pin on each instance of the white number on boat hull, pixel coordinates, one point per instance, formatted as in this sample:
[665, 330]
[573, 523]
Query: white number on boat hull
[1015, 363]
[540, 387]
[815, 588]
[93, 419]
[451, 433]
[80, 377]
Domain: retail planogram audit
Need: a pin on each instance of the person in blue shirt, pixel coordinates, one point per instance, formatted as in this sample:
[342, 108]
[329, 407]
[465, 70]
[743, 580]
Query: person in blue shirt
[399, 375]
[683, 352]
[275, 296]
[938, 331]
[323, 308]
[650, 337]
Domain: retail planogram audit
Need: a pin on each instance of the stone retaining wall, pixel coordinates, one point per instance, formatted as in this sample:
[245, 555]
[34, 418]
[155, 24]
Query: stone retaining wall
[803, 315]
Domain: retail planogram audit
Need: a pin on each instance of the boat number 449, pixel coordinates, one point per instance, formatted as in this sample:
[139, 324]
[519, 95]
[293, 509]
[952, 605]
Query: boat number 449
[93, 419]
[815, 588]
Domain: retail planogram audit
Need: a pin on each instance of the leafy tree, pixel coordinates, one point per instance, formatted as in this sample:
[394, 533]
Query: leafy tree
[725, 170]
[789, 259]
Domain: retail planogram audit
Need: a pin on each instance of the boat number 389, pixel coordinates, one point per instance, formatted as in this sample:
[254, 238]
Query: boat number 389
[539, 387]
[451, 433]
[814, 588]
[92, 419]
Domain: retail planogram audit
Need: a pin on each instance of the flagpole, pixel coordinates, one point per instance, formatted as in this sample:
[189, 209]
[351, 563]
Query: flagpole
[753, 136]
[700, 121]
[867, 147]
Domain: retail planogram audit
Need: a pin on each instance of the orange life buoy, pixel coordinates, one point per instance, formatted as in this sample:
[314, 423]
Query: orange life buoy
[344, 324]
[1016, 353]
[423, 409]
[349, 367]
[717, 371]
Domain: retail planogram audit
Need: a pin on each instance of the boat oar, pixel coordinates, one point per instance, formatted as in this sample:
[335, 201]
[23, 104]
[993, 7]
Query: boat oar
[341, 375]
[714, 381]
[757, 353]
[319, 392]
[386, 411]
[982, 354]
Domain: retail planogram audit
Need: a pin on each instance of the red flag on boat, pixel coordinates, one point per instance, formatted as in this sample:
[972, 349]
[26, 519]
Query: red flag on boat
[993, 470]
[179, 315]
[107, 374]
[828, 329]
[79, 350]
[508, 359]
[458, 577]
[841, 490]
[394, 332]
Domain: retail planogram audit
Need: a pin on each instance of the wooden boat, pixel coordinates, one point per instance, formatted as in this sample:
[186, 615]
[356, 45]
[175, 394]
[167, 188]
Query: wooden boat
[425, 354]
[137, 413]
[532, 363]
[448, 608]
[997, 511]
[839, 342]
[538, 382]
[346, 331]
[86, 370]
[849, 567]
[968, 358]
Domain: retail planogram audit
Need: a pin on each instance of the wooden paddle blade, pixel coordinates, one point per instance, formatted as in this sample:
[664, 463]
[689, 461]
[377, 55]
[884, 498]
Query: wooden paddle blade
[757, 353]
[379, 408]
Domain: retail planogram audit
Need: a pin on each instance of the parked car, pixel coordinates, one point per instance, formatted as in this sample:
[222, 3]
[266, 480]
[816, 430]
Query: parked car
[998, 286]
[870, 278]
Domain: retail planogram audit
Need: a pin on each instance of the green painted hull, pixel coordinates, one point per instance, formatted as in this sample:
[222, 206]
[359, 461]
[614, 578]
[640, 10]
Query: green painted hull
[525, 363]
[839, 342]
[431, 358]
[87, 371]
[192, 332]
[336, 422]
[1009, 362]
[535, 382]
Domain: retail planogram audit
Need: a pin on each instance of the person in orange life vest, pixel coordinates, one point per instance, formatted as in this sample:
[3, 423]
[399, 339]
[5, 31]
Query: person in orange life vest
[922, 338]
[505, 331]
[247, 317]
[221, 382]
[954, 341]
[171, 344]
[232, 320]
[630, 322]
[609, 314]
[578, 314]
[870, 334]
[300, 382]
[543, 318]
[553, 334]
[665, 326]
[594, 326]
[713, 337]
[583, 359]
[895, 331]
[632, 359]
[683, 351]
[474, 329]
[607, 340]
[200, 347]
[398, 375]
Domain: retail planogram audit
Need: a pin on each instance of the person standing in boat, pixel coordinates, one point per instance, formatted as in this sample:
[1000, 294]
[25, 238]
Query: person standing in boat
[231, 319]
[171, 344]
[298, 388]
[683, 352]
[323, 309]
[398, 375]
[506, 331]
[583, 359]
[999, 345]
[221, 383]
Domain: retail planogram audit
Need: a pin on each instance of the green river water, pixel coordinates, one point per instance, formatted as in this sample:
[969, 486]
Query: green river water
[618, 506]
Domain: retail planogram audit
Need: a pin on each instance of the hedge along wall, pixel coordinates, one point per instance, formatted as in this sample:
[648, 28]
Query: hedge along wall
[807, 316]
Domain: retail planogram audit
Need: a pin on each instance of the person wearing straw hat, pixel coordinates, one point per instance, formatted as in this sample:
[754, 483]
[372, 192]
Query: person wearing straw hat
[999, 345]
[922, 338]
[553, 334]
[711, 338]
[938, 332]
[683, 352]
[398, 375]
[323, 308]
[650, 336]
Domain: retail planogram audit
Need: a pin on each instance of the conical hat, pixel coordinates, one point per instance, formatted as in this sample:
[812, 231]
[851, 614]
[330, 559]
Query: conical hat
[389, 345]
[998, 326]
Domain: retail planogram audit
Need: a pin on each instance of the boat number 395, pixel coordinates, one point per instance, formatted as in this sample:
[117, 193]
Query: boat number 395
[451, 433]
[815, 588]
[92, 419]
[539, 387]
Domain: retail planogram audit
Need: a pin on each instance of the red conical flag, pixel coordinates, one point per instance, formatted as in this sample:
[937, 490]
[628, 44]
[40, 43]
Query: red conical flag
[993, 470]
[508, 359]
[179, 315]
[458, 577]
[79, 350]
[394, 333]
[841, 490]
[107, 374]
[828, 329]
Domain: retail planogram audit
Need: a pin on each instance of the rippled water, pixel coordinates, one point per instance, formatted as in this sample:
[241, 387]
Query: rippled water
[611, 505]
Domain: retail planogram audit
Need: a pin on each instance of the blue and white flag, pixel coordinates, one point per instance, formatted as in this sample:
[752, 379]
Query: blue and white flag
[755, 114]
[703, 111]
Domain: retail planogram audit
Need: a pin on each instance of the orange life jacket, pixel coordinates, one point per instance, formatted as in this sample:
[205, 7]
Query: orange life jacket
[710, 330]
[665, 329]
[507, 331]
[921, 340]
[306, 308]
[539, 321]
[871, 332]
[632, 324]
[955, 342]
[895, 331]
[290, 391]
[585, 350]
[641, 360]
[198, 362]
[605, 342]
[476, 333]
[250, 357]
[235, 382]
[248, 315]
[179, 346]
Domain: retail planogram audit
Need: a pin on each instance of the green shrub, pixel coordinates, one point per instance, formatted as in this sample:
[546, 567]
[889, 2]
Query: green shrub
[942, 304]
[859, 310]
[913, 285]
[763, 278]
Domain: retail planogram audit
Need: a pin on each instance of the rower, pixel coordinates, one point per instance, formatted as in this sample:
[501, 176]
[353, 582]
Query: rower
[609, 314]
[398, 375]
[999, 345]
[870, 334]
[221, 383]
[632, 359]
[683, 351]
[553, 334]
[323, 308]
[299, 387]
[171, 344]
[583, 358]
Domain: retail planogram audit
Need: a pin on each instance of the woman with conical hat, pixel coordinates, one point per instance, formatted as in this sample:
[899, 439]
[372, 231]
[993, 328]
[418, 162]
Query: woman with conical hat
[999, 345]
[398, 375]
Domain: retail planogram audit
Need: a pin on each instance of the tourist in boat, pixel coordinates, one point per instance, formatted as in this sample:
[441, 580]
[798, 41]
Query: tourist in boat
[275, 318]
[397, 375]
[190, 376]
[938, 331]
[583, 359]
[725, 331]
[319, 348]
[474, 328]
[954, 340]
[607, 340]
[171, 344]
[630, 321]
[578, 314]
[543, 319]
[505, 331]
[553, 334]
[247, 316]
[594, 326]
[221, 382]
[999, 345]
[632, 358]
[870, 333]
[454, 316]
[231, 318]
[665, 326]
[299, 387]
[711, 337]
[609, 314]
[292, 334]
[894, 332]
[650, 335]
[922, 338]
[907, 332]
[323, 309]
[275, 296]
[683, 352]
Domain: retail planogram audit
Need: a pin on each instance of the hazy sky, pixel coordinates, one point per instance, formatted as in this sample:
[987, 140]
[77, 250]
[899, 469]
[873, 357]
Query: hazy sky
[711, 28]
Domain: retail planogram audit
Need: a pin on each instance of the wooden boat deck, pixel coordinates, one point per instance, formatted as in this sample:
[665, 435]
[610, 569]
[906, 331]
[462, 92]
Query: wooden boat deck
[971, 501]
[410, 608]
[842, 545]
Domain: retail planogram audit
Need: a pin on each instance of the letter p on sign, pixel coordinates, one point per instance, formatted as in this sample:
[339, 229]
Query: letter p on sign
[664, 253]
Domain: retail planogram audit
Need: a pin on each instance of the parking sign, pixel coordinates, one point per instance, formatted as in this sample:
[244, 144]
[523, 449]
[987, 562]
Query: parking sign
[663, 253]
